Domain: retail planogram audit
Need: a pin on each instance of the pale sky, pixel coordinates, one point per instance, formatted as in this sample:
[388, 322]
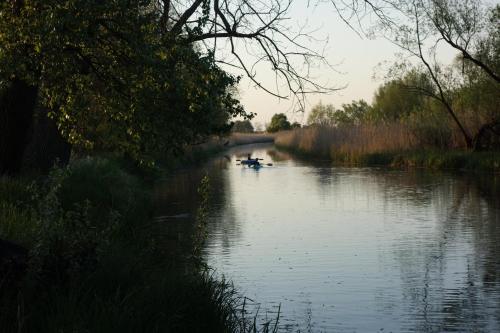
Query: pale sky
[355, 60]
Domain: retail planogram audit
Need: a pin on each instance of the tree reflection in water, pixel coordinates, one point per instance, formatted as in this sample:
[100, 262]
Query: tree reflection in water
[449, 275]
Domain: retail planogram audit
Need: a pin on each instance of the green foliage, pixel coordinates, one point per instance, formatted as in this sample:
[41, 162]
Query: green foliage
[78, 211]
[68, 220]
[242, 126]
[103, 182]
[398, 98]
[111, 79]
[279, 122]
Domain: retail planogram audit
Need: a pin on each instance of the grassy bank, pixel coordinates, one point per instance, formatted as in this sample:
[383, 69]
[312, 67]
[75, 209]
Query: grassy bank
[388, 145]
[94, 261]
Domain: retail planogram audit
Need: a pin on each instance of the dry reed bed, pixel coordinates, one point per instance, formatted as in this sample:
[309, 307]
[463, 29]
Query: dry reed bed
[235, 139]
[395, 145]
[355, 140]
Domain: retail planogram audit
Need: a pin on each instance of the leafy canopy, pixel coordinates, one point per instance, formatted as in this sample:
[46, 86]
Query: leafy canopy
[110, 77]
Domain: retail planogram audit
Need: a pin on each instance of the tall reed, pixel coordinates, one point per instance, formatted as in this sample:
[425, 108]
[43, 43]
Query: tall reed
[396, 144]
[332, 142]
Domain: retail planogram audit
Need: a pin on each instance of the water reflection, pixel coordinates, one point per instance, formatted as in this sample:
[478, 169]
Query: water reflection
[354, 249]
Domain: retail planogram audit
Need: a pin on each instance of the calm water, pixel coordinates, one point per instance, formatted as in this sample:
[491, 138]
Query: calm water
[351, 249]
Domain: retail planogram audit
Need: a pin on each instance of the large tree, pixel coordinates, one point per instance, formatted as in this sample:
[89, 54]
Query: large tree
[136, 76]
[279, 122]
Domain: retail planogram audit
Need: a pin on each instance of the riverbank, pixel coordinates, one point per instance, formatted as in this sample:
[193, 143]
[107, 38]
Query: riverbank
[319, 144]
[80, 252]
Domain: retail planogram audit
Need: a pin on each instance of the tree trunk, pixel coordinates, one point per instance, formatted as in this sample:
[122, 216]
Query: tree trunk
[47, 147]
[17, 104]
[29, 139]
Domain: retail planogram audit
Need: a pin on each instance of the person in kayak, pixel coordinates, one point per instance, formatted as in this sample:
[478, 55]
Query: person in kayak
[252, 161]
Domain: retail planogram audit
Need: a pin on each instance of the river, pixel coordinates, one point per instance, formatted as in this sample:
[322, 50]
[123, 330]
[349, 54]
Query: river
[350, 249]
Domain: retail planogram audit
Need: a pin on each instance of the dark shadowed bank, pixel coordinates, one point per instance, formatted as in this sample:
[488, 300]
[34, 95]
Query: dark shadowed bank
[80, 252]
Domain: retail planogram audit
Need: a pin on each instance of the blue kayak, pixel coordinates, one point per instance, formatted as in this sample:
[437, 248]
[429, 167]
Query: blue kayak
[251, 163]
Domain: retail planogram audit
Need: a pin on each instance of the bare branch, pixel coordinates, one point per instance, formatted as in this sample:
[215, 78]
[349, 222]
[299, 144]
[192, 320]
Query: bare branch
[256, 32]
[185, 17]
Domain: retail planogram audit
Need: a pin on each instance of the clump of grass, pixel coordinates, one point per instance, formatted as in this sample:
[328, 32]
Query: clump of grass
[16, 222]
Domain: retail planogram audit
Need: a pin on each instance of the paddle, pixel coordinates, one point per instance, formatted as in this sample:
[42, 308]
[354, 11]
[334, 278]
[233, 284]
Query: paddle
[258, 159]
[268, 164]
